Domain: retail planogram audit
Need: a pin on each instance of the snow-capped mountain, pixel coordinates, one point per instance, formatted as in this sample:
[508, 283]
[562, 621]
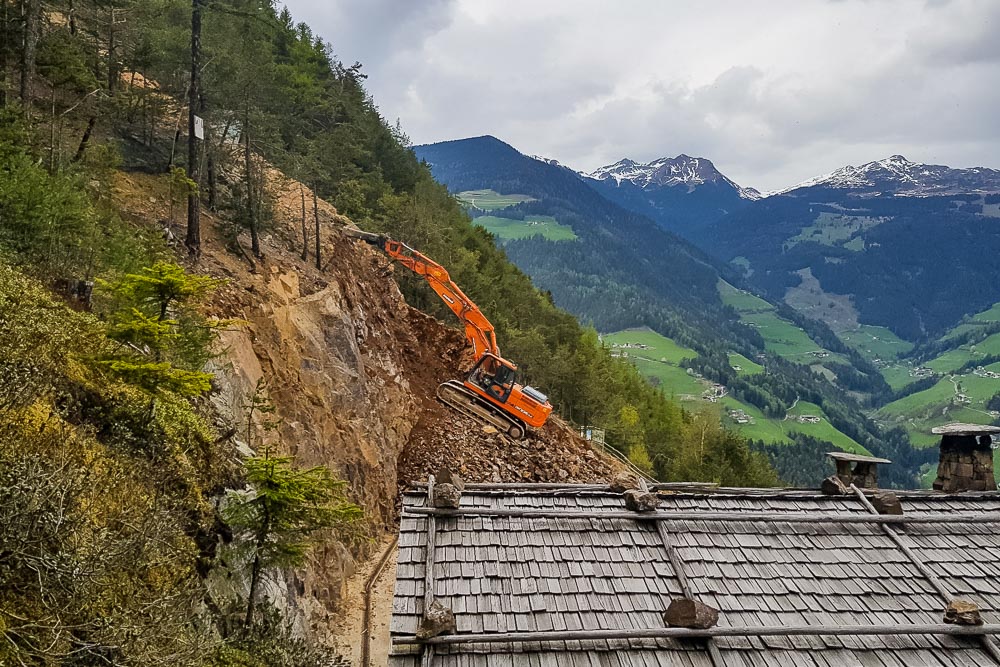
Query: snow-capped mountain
[683, 170]
[895, 175]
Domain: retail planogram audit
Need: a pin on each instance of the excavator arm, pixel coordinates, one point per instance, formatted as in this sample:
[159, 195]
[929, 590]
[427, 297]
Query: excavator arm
[490, 392]
[478, 330]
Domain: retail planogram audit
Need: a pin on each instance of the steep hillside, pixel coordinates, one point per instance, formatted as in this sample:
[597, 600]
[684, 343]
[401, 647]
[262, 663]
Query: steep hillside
[620, 270]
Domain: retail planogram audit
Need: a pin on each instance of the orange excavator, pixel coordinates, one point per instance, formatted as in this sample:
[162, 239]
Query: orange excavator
[489, 392]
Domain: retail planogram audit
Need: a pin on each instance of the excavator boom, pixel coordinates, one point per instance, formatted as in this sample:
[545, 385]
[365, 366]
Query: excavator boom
[490, 392]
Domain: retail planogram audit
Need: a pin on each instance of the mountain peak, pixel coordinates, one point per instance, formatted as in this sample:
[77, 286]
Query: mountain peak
[680, 171]
[898, 176]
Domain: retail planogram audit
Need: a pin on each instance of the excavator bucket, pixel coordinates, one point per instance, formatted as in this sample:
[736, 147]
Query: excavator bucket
[367, 237]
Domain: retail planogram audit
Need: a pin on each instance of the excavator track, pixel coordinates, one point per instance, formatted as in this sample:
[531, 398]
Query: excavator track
[456, 395]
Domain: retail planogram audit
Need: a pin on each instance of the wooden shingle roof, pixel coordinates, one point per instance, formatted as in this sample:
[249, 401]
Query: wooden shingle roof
[506, 573]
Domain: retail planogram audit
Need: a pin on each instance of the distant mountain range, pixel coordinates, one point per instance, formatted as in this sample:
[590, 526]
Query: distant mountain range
[896, 175]
[669, 172]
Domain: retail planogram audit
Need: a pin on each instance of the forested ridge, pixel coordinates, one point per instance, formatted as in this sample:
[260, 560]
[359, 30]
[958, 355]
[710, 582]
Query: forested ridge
[112, 461]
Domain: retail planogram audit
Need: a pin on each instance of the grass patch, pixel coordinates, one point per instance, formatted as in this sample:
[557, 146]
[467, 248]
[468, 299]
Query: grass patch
[897, 376]
[822, 430]
[834, 229]
[747, 367]
[954, 359]
[533, 225]
[780, 336]
[762, 428]
[920, 412]
[658, 360]
[876, 342]
[659, 347]
[743, 302]
[490, 200]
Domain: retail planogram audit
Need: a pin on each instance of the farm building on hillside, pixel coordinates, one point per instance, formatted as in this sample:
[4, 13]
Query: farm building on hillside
[582, 575]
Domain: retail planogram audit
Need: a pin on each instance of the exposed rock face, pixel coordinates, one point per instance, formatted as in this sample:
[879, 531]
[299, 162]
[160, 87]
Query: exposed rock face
[352, 371]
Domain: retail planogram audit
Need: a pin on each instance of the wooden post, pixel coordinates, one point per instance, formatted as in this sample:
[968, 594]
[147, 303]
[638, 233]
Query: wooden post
[305, 229]
[678, 566]
[428, 651]
[720, 516]
[887, 630]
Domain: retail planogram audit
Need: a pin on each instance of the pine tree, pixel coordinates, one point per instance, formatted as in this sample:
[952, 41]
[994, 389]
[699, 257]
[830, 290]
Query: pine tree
[277, 518]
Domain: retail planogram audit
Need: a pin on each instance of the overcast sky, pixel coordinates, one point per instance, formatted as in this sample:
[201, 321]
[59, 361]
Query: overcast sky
[772, 91]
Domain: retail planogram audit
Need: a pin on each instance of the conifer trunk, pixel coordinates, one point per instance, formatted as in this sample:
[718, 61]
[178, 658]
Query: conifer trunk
[193, 239]
[316, 216]
[305, 229]
[3, 53]
[248, 167]
[31, 16]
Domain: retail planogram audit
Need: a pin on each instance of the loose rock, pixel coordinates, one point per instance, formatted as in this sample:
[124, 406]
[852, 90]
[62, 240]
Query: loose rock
[833, 486]
[641, 501]
[447, 496]
[686, 613]
[437, 620]
[887, 503]
[624, 481]
[962, 612]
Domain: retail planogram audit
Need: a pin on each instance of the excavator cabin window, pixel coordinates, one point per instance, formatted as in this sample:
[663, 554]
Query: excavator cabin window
[495, 378]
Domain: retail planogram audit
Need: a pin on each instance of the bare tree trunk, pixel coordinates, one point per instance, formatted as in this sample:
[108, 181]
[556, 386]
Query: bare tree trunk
[85, 139]
[212, 194]
[3, 53]
[72, 18]
[112, 65]
[252, 596]
[316, 216]
[52, 134]
[31, 14]
[305, 231]
[248, 167]
[193, 238]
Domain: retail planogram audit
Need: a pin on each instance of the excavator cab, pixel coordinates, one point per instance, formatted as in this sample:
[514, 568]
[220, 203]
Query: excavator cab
[495, 379]
[495, 376]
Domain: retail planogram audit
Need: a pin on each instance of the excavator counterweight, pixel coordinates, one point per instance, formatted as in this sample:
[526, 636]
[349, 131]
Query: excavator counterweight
[490, 392]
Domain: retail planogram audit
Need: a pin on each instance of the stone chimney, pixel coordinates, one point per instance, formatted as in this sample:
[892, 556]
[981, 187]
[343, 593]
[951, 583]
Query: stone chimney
[862, 471]
[966, 462]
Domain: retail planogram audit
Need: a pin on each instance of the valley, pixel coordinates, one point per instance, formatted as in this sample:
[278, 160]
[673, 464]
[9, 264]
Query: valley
[802, 320]
[661, 360]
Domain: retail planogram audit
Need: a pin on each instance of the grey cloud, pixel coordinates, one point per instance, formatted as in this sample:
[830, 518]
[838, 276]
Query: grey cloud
[773, 92]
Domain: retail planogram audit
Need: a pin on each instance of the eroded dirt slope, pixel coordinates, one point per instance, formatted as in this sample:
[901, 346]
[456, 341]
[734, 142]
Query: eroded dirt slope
[351, 370]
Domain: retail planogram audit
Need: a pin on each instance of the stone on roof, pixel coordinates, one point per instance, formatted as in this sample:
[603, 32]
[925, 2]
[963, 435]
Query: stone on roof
[965, 429]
